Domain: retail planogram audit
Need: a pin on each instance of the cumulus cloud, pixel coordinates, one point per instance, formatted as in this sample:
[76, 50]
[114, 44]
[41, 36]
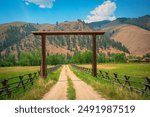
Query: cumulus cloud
[41, 3]
[104, 11]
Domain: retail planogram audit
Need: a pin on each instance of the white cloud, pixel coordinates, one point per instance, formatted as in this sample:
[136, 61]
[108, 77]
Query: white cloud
[104, 11]
[27, 3]
[41, 3]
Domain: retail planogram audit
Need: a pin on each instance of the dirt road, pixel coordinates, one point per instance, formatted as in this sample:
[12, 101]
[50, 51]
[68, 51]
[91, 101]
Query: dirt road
[83, 91]
[59, 91]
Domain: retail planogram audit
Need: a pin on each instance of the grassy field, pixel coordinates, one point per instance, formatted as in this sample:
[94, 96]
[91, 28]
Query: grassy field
[8, 72]
[32, 92]
[106, 89]
[134, 69]
[40, 88]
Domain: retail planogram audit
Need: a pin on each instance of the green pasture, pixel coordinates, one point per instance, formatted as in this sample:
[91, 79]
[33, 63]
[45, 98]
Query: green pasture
[134, 69]
[9, 72]
[36, 91]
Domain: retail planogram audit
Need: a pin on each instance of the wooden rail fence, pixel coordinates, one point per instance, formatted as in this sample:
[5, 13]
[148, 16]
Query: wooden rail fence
[139, 84]
[20, 83]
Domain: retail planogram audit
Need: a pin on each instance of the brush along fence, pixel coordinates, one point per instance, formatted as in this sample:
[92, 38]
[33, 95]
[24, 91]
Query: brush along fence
[139, 84]
[20, 83]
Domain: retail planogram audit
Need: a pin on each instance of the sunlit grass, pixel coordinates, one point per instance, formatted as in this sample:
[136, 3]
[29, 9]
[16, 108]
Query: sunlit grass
[8, 72]
[135, 69]
[32, 92]
[40, 87]
[108, 90]
[71, 93]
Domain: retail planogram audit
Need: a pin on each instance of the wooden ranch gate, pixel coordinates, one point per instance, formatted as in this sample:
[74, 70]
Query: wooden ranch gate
[43, 34]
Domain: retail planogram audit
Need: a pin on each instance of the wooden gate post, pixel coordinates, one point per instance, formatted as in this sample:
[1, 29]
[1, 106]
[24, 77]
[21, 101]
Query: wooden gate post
[94, 65]
[43, 72]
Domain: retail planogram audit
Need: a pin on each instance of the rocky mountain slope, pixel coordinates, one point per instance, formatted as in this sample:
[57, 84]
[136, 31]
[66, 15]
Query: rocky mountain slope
[122, 36]
[17, 37]
[136, 39]
[132, 33]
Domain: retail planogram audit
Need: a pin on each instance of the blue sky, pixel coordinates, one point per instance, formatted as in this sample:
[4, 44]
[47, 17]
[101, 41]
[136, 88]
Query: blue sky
[50, 11]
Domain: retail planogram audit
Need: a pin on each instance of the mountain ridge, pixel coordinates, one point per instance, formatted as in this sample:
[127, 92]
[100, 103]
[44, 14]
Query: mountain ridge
[17, 37]
[143, 22]
[134, 33]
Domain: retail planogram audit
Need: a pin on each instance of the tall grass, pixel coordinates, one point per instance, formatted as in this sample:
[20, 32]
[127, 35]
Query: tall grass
[40, 87]
[71, 93]
[106, 89]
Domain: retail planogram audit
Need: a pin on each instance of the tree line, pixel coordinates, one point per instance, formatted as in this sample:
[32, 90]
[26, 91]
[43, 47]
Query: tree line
[33, 58]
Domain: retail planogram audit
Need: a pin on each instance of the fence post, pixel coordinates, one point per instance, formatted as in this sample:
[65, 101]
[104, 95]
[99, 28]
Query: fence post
[36, 75]
[107, 75]
[31, 79]
[6, 87]
[116, 78]
[101, 73]
[21, 81]
[146, 85]
[127, 82]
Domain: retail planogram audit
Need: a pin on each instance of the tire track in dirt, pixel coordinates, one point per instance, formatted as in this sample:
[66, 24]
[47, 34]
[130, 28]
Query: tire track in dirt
[83, 91]
[59, 90]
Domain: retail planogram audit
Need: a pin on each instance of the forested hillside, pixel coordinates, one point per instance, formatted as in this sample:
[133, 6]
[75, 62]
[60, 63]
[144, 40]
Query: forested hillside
[16, 38]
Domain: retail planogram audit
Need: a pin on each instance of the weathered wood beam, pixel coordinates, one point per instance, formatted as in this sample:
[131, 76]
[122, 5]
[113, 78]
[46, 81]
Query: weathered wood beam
[68, 32]
[94, 65]
[43, 72]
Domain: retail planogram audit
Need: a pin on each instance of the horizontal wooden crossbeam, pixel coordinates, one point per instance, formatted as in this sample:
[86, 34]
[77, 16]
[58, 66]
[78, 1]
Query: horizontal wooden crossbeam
[68, 32]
